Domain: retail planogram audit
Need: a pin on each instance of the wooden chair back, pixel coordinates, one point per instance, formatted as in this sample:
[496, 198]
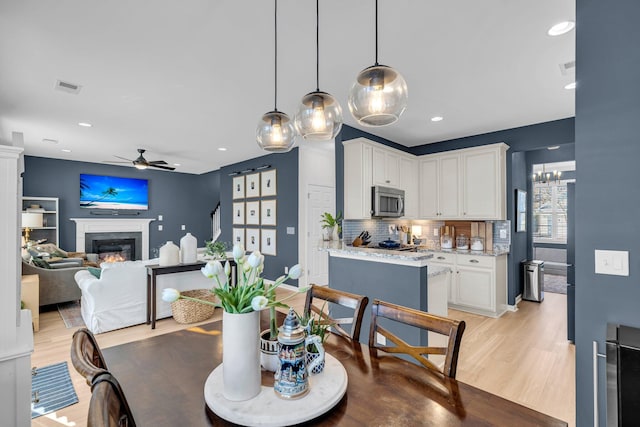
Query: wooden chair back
[108, 406]
[86, 356]
[326, 295]
[451, 328]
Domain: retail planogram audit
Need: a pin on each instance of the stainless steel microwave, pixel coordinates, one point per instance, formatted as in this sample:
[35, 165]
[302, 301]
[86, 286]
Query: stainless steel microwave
[387, 202]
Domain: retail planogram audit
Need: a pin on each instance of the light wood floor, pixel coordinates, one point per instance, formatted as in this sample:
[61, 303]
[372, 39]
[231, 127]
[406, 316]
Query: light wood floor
[522, 356]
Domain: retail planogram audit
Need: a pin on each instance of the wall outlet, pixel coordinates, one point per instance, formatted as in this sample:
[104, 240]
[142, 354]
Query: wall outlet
[503, 234]
[291, 230]
[160, 228]
[183, 227]
[159, 217]
[436, 231]
[286, 270]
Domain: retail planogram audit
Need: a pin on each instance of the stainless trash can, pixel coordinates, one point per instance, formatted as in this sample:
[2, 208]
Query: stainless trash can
[533, 279]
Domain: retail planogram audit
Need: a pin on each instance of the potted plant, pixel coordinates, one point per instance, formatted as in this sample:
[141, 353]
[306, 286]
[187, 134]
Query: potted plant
[315, 325]
[332, 225]
[217, 250]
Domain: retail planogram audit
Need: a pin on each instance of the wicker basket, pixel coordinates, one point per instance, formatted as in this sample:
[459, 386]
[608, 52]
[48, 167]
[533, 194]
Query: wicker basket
[186, 311]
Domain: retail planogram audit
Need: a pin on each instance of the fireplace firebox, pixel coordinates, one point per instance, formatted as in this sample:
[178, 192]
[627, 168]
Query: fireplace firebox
[114, 246]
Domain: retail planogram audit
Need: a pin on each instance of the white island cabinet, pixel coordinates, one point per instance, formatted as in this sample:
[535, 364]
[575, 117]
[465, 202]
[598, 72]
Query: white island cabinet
[479, 281]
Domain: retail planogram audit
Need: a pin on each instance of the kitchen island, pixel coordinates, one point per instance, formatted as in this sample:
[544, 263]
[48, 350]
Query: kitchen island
[399, 277]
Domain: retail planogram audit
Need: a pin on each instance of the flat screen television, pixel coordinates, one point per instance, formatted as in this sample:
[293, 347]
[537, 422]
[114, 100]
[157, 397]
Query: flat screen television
[112, 192]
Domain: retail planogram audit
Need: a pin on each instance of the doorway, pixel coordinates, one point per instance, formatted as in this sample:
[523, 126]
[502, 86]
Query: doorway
[550, 209]
[320, 199]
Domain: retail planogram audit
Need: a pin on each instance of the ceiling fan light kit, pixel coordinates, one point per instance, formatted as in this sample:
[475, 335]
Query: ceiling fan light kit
[379, 95]
[319, 117]
[275, 132]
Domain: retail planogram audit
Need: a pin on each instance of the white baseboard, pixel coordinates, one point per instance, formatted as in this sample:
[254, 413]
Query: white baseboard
[515, 306]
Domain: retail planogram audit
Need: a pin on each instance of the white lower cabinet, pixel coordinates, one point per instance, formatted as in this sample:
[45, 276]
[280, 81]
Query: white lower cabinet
[478, 283]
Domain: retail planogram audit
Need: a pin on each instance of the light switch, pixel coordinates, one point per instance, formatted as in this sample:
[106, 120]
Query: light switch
[291, 230]
[159, 217]
[160, 228]
[183, 227]
[615, 263]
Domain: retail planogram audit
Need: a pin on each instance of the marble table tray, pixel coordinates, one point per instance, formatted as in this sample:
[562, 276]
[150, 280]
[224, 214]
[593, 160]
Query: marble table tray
[267, 409]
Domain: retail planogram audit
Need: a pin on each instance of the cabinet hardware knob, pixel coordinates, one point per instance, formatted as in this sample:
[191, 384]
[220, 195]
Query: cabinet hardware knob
[440, 257]
[475, 261]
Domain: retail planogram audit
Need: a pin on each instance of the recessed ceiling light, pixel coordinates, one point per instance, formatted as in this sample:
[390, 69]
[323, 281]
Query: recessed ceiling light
[222, 149]
[553, 147]
[561, 28]
[85, 124]
[437, 118]
[50, 141]
[177, 164]
[66, 150]
[570, 86]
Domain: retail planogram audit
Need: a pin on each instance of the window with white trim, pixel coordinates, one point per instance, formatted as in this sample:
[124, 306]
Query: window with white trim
[550, 212]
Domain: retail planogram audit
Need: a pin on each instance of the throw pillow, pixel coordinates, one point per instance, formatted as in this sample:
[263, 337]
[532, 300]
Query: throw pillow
[95, 271]
[39, 262]
[52, 250]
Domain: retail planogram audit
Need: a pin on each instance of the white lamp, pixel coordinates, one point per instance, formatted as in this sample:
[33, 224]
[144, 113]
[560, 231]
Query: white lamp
[31, 220]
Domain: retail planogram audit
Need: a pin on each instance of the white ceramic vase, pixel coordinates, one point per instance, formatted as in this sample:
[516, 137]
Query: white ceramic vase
[169, 254]
[334, 233]
[241, 375]
[188, 249]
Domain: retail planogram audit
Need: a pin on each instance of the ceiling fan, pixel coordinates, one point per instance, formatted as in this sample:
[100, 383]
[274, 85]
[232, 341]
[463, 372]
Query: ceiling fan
[142, 163]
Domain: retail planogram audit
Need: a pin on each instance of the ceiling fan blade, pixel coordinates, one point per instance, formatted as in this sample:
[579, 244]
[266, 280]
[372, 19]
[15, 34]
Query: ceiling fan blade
[116, 162]
[158, 162]
[169, 168]
[123, 158]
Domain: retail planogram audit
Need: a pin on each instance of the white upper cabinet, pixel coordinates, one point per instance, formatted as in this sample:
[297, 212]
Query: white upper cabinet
[367, 163]
[386, 167]
[409, 183]
[484, 184]
[467, 184]
[464, 184]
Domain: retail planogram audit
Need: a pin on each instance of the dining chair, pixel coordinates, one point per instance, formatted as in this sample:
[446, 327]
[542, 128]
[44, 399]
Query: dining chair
[86, 356]
[330, 296]
[108, 406]
[450, 328]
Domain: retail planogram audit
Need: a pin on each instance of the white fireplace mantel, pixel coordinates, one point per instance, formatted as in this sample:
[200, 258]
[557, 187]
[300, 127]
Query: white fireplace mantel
[112, 225]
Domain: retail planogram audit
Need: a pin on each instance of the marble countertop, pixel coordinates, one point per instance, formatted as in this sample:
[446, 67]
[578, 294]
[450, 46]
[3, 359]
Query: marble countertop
[338, 248]
[436, 270]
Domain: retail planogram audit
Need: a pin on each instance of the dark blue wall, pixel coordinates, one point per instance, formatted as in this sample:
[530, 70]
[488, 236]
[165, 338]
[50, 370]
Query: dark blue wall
[522, 139]
[608, 177]
[181, 198]
[286, 165]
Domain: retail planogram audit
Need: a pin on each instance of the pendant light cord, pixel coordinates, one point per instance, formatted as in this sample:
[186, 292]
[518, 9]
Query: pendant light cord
[317, 45]
[275, 56]
[376, 32]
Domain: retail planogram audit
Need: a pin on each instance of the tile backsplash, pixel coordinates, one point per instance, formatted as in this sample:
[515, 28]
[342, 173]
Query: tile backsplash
[380, 230]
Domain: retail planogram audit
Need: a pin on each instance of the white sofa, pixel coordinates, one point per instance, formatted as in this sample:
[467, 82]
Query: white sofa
[119, 297]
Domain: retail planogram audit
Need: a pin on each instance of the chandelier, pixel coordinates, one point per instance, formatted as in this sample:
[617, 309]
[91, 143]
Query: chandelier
[544, 177]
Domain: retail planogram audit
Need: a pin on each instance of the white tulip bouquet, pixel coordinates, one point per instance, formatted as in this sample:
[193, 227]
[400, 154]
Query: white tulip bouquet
[250, 293]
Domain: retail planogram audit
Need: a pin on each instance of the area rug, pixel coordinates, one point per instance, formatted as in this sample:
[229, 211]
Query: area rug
[555, 284]
[70, 313]
[51, 389]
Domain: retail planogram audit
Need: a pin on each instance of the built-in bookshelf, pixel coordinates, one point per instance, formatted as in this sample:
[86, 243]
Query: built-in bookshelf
[48, 206]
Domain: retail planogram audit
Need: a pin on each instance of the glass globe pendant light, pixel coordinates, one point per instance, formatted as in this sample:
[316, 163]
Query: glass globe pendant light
[319, 117]
[275, 132]
[379, 95]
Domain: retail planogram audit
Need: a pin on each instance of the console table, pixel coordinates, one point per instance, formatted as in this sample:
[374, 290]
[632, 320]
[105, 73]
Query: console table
[155, 270]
